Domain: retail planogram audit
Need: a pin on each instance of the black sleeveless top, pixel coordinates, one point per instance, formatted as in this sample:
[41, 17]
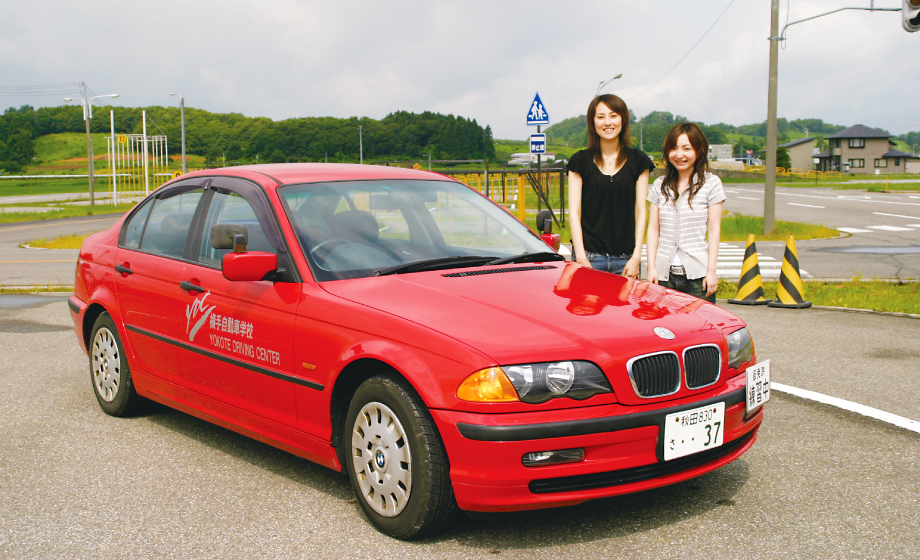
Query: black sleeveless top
[608, 202]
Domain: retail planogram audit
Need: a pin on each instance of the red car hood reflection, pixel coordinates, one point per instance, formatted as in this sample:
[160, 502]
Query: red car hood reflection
[541, 312]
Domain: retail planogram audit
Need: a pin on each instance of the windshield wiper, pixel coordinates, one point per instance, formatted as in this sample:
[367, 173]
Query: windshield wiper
[436, 264]
[543, 256]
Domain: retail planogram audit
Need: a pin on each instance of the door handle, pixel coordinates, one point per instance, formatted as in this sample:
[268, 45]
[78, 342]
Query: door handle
[123, 269]
[189, 286]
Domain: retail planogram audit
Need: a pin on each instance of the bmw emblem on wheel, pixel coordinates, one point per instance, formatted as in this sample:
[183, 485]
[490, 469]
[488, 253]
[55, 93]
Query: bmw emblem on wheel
[664, 333]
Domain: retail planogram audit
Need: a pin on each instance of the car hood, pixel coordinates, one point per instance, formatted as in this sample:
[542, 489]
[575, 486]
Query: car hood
[543, 311]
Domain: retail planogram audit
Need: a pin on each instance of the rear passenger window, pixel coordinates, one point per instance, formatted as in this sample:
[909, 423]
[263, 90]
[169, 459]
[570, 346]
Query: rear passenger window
[229, 208]
[168, 227]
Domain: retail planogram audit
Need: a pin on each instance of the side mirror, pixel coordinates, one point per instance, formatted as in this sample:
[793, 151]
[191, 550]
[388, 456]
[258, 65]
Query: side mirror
[248, 267]
[545, 221]
[545, 227]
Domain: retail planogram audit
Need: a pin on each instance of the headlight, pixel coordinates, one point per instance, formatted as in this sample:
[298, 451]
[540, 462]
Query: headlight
[740, 348]
[536, 383]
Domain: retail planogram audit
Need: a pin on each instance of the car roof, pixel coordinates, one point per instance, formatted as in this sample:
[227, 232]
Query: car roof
[293, 173]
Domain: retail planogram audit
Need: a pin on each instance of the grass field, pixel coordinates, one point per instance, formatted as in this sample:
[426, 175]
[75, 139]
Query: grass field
[69, 212]
[857, 293]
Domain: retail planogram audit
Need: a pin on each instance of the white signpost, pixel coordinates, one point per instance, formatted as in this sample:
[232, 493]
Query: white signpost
[538, 144]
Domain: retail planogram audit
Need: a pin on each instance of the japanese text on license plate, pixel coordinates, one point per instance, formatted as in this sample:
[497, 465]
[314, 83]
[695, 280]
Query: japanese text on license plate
[692, 431]
[758, 385]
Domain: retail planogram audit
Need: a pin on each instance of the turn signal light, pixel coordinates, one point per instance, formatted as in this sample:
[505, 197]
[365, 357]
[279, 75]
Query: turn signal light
[487, 385]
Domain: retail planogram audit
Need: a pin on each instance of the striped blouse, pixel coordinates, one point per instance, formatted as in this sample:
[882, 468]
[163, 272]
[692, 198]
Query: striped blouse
[683, 227]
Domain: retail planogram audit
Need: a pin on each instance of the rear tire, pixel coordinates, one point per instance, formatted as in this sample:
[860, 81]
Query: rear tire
[396, 461]
[108, 370]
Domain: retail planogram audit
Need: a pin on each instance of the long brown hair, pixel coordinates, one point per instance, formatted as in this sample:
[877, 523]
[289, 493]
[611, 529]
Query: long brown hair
[618, 106]
[700, 167]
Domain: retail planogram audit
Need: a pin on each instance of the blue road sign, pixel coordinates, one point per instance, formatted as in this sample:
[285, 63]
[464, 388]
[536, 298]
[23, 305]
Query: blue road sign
[537, 114]
[538, 143]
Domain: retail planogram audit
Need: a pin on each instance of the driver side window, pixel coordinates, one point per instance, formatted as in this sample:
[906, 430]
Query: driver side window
[231, 208]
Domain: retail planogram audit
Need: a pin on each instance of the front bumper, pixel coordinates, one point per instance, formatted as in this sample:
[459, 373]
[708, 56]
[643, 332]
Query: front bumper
[622, 451]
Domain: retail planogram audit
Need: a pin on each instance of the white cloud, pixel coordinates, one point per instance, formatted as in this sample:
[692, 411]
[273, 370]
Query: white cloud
[479, 59]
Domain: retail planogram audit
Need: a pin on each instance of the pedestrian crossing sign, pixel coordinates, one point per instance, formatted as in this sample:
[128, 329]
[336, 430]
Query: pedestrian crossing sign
[537, 114]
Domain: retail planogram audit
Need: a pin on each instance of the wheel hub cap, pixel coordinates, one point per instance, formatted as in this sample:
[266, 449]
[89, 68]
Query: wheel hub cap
[381, 459]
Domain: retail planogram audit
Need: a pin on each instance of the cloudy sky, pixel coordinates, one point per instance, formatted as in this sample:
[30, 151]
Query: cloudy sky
[482, 59]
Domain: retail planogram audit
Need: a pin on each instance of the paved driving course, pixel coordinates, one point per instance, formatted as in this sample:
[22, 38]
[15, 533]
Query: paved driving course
[819, 483]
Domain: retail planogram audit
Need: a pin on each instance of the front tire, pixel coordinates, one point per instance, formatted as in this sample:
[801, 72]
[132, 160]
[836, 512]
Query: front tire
[109, 371]
[396, 461]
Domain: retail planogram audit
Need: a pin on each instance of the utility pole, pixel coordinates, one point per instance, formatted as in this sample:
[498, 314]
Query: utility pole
[769, 202]
[87, 116]
[89, 147]
[361, 143]
[769, 198]
[182, 117]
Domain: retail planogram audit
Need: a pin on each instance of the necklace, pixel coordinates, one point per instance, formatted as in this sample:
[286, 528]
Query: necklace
[611, 160]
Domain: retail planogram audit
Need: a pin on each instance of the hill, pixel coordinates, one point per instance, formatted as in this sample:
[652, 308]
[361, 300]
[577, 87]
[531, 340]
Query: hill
[234, 137]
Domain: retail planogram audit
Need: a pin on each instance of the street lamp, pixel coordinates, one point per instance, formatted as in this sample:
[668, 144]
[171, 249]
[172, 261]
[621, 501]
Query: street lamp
[87, 115]
[182, 115]
[603, 83]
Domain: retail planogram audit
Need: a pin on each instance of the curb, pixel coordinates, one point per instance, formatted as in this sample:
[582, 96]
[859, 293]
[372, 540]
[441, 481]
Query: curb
[853, 310]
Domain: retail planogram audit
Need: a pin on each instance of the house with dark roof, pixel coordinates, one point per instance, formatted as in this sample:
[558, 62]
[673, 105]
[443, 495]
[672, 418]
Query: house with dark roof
[801, 153]
[865, 150]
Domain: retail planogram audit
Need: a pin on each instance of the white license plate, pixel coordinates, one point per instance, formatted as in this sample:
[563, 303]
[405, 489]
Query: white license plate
[692, 431]
[758, 385]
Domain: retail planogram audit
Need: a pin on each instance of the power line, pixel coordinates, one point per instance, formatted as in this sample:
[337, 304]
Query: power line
[41, 91]
[688, 52]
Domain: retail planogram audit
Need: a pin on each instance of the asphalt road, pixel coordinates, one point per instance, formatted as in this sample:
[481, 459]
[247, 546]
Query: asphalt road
[883, 229]
[819, 483]
[41, 267]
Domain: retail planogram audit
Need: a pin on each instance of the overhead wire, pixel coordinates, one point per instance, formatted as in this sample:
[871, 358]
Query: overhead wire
[688, 52]
[70, 88]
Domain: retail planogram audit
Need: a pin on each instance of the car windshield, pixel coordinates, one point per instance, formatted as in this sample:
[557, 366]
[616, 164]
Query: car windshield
[357, 228]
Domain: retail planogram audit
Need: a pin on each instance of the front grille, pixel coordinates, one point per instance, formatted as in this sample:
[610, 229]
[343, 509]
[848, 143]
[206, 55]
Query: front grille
[702, 365]
[637, 474]
[655, 375]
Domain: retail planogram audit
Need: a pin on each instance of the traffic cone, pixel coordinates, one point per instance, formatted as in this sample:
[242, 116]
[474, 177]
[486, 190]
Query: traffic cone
[790, 292]
[750, 286]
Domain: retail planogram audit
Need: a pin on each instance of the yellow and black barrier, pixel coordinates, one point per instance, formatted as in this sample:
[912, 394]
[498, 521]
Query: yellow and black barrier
[791, 292]
[750, 286]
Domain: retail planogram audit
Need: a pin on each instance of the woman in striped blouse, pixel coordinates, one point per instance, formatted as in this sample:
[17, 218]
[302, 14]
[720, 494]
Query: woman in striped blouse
[685, 216]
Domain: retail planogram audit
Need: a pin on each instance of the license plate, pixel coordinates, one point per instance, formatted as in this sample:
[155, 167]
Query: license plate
[692, 431]
[758, 385]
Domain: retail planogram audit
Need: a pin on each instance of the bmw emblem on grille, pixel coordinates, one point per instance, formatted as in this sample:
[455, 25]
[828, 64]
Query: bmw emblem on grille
[664, 333]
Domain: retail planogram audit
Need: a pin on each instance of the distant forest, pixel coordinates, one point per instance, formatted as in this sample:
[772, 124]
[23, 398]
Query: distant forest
[232, 136]
[655, 126]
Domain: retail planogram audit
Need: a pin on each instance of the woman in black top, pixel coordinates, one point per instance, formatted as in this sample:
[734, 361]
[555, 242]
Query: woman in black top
[608, 184]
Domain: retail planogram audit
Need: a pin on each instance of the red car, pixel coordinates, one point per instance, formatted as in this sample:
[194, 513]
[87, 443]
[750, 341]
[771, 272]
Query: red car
[400, 326]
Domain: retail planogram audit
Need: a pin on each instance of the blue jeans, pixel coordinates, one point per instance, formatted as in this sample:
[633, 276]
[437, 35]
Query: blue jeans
[693, 287]
[608, 263]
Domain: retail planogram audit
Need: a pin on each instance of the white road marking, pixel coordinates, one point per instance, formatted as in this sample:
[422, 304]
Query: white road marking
[854, 230]
[891, 228]
[897, 215]
[912, 225]
[851, 197]
[748, 198]
[806, 205]
[731, 258]
[888, 417]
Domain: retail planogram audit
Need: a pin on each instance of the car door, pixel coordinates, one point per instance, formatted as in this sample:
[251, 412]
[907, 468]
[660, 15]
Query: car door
[241, 333]
[149, 264]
